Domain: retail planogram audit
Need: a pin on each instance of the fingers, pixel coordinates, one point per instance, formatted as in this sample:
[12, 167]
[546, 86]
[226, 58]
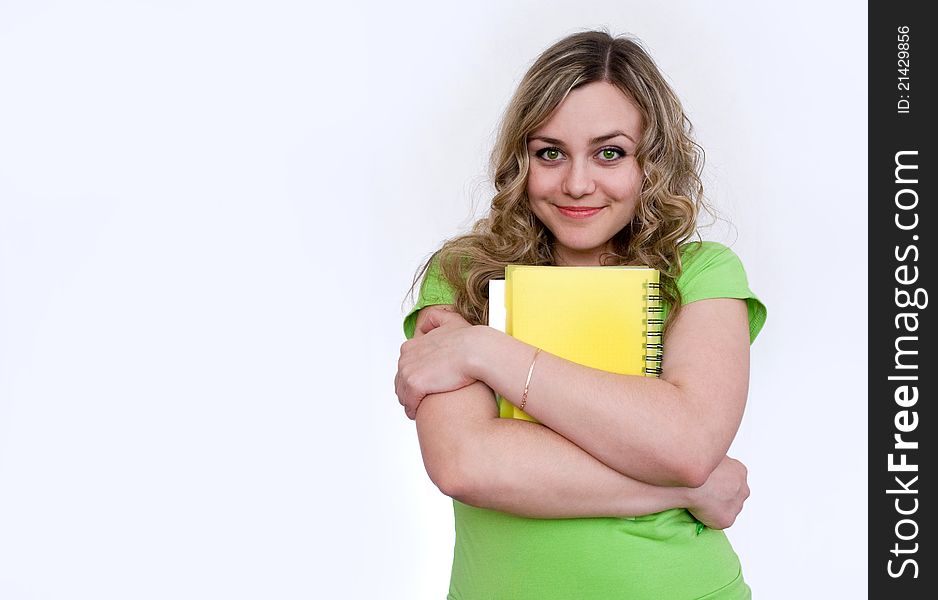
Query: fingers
[411, 411]
[400, 389]
[404, 397]
[437, 315]
[430, 323]
[430, 318]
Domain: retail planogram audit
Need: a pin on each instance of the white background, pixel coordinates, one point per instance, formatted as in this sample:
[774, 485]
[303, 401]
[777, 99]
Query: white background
[211, 212]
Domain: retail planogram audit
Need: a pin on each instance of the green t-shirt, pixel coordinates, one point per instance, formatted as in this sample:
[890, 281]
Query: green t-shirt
[664, 555]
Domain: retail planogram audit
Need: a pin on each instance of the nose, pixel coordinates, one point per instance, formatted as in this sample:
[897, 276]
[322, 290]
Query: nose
[578, 180]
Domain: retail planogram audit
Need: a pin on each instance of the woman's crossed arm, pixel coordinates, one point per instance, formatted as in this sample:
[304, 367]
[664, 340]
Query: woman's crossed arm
[672, 431]
[529, 470]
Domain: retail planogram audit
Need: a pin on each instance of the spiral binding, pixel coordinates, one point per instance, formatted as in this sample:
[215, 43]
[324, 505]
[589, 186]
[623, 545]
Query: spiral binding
[654, 349]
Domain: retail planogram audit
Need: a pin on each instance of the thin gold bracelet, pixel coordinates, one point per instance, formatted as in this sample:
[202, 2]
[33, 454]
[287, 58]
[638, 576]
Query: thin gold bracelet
[524, 396]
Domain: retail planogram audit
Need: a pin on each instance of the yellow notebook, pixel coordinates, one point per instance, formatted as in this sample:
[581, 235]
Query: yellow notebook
[607, 318]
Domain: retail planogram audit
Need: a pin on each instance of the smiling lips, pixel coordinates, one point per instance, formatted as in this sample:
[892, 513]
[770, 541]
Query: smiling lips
[578, 212]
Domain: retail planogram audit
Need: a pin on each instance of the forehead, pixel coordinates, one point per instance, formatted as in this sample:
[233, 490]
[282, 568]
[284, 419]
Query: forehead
[590, 111]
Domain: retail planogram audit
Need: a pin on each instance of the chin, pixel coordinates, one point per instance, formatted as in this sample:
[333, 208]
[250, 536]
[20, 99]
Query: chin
[580, 245]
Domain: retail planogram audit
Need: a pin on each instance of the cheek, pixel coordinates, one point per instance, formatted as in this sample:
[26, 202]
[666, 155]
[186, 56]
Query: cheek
[624, 188]
[540, 184]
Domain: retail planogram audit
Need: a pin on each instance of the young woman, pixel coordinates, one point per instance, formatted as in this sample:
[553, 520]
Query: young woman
[622, 488]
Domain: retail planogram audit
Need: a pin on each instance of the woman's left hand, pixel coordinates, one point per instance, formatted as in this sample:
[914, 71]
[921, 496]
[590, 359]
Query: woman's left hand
[435, 360]
[720, 499]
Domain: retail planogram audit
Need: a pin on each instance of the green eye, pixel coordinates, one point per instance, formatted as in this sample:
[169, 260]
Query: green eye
[551, 154]
[611, 153]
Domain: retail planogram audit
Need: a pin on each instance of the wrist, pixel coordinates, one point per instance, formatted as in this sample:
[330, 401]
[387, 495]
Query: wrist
[638, 499]
[687, 496]
[477, 351]
[676, 497]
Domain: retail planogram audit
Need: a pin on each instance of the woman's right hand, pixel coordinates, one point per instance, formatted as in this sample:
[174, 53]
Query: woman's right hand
[717, 502]
[435, 359]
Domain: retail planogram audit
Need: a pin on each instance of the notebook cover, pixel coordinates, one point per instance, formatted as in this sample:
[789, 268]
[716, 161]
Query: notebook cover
[594, 316]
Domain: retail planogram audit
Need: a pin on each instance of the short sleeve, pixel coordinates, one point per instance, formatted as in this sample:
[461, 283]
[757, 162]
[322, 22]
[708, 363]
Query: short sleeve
[433, 290]
[711, 270]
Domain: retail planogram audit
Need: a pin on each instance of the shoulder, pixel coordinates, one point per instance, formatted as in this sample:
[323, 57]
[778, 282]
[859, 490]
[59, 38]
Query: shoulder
[697, 255]
[708, 263]
[712, 270]
[434, 289]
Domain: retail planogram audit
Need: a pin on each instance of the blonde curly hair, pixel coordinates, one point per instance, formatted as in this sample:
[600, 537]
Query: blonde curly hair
[671, 196]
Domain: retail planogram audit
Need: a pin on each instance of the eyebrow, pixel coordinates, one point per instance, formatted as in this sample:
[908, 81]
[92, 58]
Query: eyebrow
[593, 142]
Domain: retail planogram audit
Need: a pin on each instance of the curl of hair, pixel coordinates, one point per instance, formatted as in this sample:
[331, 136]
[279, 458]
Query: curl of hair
[671, 196]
